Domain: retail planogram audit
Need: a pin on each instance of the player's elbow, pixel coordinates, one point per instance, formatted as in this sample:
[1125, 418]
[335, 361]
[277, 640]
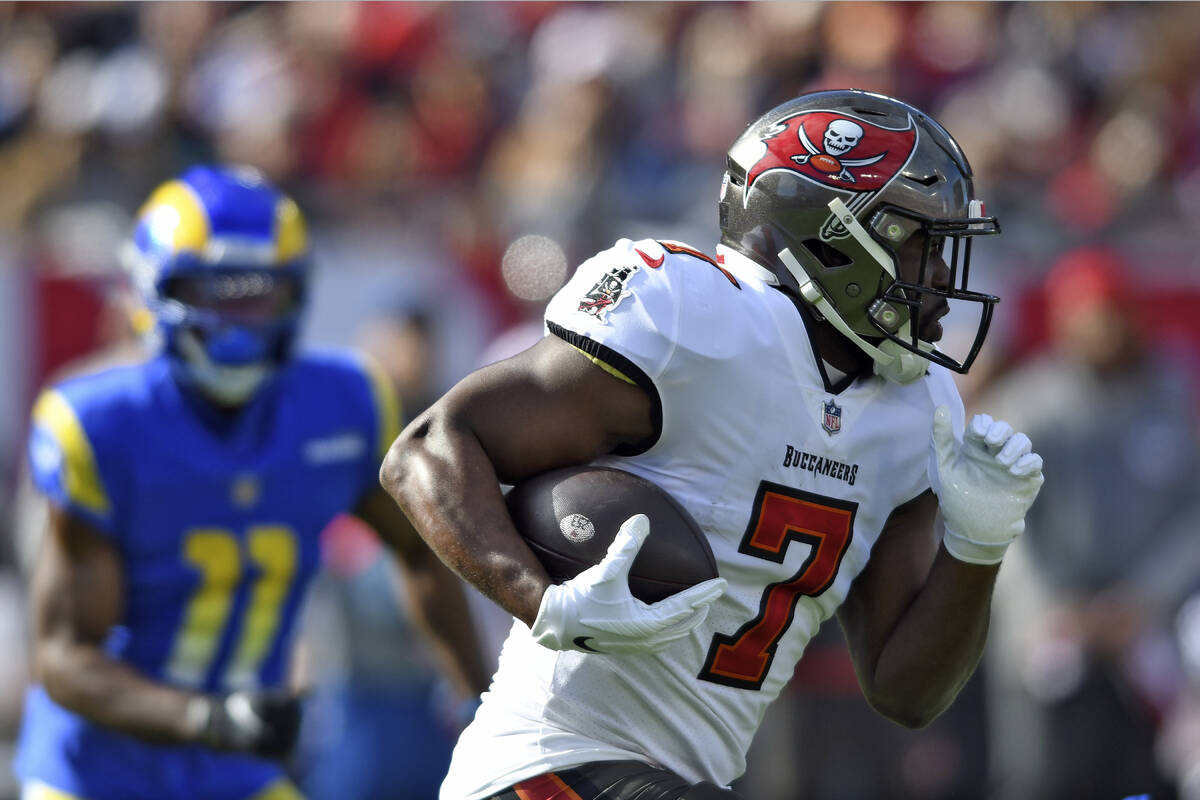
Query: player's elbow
[909, 716]
[391, 472]
[912, 709]
[58, 670]
[396, 471]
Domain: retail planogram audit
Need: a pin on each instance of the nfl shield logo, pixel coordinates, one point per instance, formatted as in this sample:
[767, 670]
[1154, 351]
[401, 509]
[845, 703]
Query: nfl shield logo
[245, 490]
[831, 417]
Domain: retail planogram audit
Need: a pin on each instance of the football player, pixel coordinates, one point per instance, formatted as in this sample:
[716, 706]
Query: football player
[187, 493]
[790, 393]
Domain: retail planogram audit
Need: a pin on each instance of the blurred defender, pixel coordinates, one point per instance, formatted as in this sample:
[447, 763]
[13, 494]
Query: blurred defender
[187, 494]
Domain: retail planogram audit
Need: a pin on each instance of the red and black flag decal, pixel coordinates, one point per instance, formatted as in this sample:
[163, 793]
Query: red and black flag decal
[836, 150]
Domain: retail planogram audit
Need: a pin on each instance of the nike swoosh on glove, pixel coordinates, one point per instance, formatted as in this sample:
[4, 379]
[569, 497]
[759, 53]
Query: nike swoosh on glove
[985, 484]
[595, 611]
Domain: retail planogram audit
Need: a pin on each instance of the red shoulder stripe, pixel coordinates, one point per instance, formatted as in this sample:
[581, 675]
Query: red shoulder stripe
[671, 247]
[680, 249]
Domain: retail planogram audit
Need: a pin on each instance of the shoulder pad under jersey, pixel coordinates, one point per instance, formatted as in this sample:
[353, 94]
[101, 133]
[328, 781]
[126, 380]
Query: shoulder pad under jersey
[629, 300]
[80, 433]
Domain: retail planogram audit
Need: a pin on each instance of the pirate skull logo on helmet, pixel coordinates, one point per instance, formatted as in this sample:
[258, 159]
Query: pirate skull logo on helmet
[841, 136]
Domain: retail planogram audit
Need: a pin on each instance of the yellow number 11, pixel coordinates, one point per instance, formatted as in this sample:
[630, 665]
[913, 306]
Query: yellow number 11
[217, 554]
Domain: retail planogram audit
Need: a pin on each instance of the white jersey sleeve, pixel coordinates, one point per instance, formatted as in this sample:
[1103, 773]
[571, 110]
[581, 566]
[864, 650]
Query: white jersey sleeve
[621, 300]
[640, 311]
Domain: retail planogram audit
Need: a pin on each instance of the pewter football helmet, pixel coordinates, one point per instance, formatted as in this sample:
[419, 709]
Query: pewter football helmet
[820, 193]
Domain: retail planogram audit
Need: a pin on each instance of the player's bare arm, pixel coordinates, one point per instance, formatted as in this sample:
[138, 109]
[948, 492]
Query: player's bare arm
[916, 618]
[917, 623]
[77, 598]
[436, 601]
[544, 408]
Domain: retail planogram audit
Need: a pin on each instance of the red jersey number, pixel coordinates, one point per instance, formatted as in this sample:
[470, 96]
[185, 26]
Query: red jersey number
[781, 515]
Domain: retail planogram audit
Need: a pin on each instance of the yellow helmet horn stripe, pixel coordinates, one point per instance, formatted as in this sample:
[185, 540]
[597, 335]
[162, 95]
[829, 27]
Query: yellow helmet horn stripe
[291, 238]
[177, 218]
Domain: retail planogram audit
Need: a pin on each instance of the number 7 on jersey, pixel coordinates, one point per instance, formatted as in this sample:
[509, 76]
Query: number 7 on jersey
[781, 515]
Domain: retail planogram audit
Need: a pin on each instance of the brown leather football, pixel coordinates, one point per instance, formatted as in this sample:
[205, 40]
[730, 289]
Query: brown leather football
[569, 517]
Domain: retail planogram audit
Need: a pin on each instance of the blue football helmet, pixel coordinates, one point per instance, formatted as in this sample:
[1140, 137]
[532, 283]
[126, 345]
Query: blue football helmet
[220, 258]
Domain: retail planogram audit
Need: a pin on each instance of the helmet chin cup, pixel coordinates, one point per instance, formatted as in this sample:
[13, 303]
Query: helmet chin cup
[223, 384]
[904, 366]
[891, 361]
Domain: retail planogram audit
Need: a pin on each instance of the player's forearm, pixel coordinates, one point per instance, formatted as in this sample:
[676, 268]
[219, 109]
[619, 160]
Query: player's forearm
[84, 679]
[936, 644]
[442, 479]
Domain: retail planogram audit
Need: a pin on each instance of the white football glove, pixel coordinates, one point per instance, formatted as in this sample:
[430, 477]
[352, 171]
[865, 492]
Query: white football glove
[985, 484]
[595, 612]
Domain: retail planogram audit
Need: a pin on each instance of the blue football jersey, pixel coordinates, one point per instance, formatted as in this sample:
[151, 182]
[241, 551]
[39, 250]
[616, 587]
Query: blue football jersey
[217, 520]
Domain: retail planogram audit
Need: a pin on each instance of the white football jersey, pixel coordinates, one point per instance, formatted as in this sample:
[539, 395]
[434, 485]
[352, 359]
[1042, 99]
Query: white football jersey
[791, 483]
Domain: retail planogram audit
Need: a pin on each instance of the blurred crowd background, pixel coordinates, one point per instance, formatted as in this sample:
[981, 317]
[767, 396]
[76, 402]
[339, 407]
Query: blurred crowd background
[456, 160]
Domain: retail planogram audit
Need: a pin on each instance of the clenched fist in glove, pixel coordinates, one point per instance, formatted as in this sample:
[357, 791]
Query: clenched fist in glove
[264, 722]
[985, 484]
[595, 611]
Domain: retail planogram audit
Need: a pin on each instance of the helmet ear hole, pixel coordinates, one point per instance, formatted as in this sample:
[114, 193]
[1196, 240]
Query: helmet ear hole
[925, 180]
[829, 256]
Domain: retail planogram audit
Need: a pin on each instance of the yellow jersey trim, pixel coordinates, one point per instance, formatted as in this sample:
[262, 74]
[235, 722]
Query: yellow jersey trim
[604, 365]
[282, 789]
[387, 404]
[80, 477]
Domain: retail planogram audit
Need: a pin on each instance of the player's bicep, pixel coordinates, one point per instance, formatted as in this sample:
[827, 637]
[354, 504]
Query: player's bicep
[900, 562]
[550, 406]
[78, 583]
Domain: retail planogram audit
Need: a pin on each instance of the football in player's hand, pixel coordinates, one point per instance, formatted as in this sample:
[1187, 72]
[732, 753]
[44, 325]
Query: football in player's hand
[569, 517]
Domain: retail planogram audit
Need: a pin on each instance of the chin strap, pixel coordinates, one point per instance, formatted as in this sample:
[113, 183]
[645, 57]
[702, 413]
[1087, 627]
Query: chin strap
[843, 215]
[906, 367]
[892, 361]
